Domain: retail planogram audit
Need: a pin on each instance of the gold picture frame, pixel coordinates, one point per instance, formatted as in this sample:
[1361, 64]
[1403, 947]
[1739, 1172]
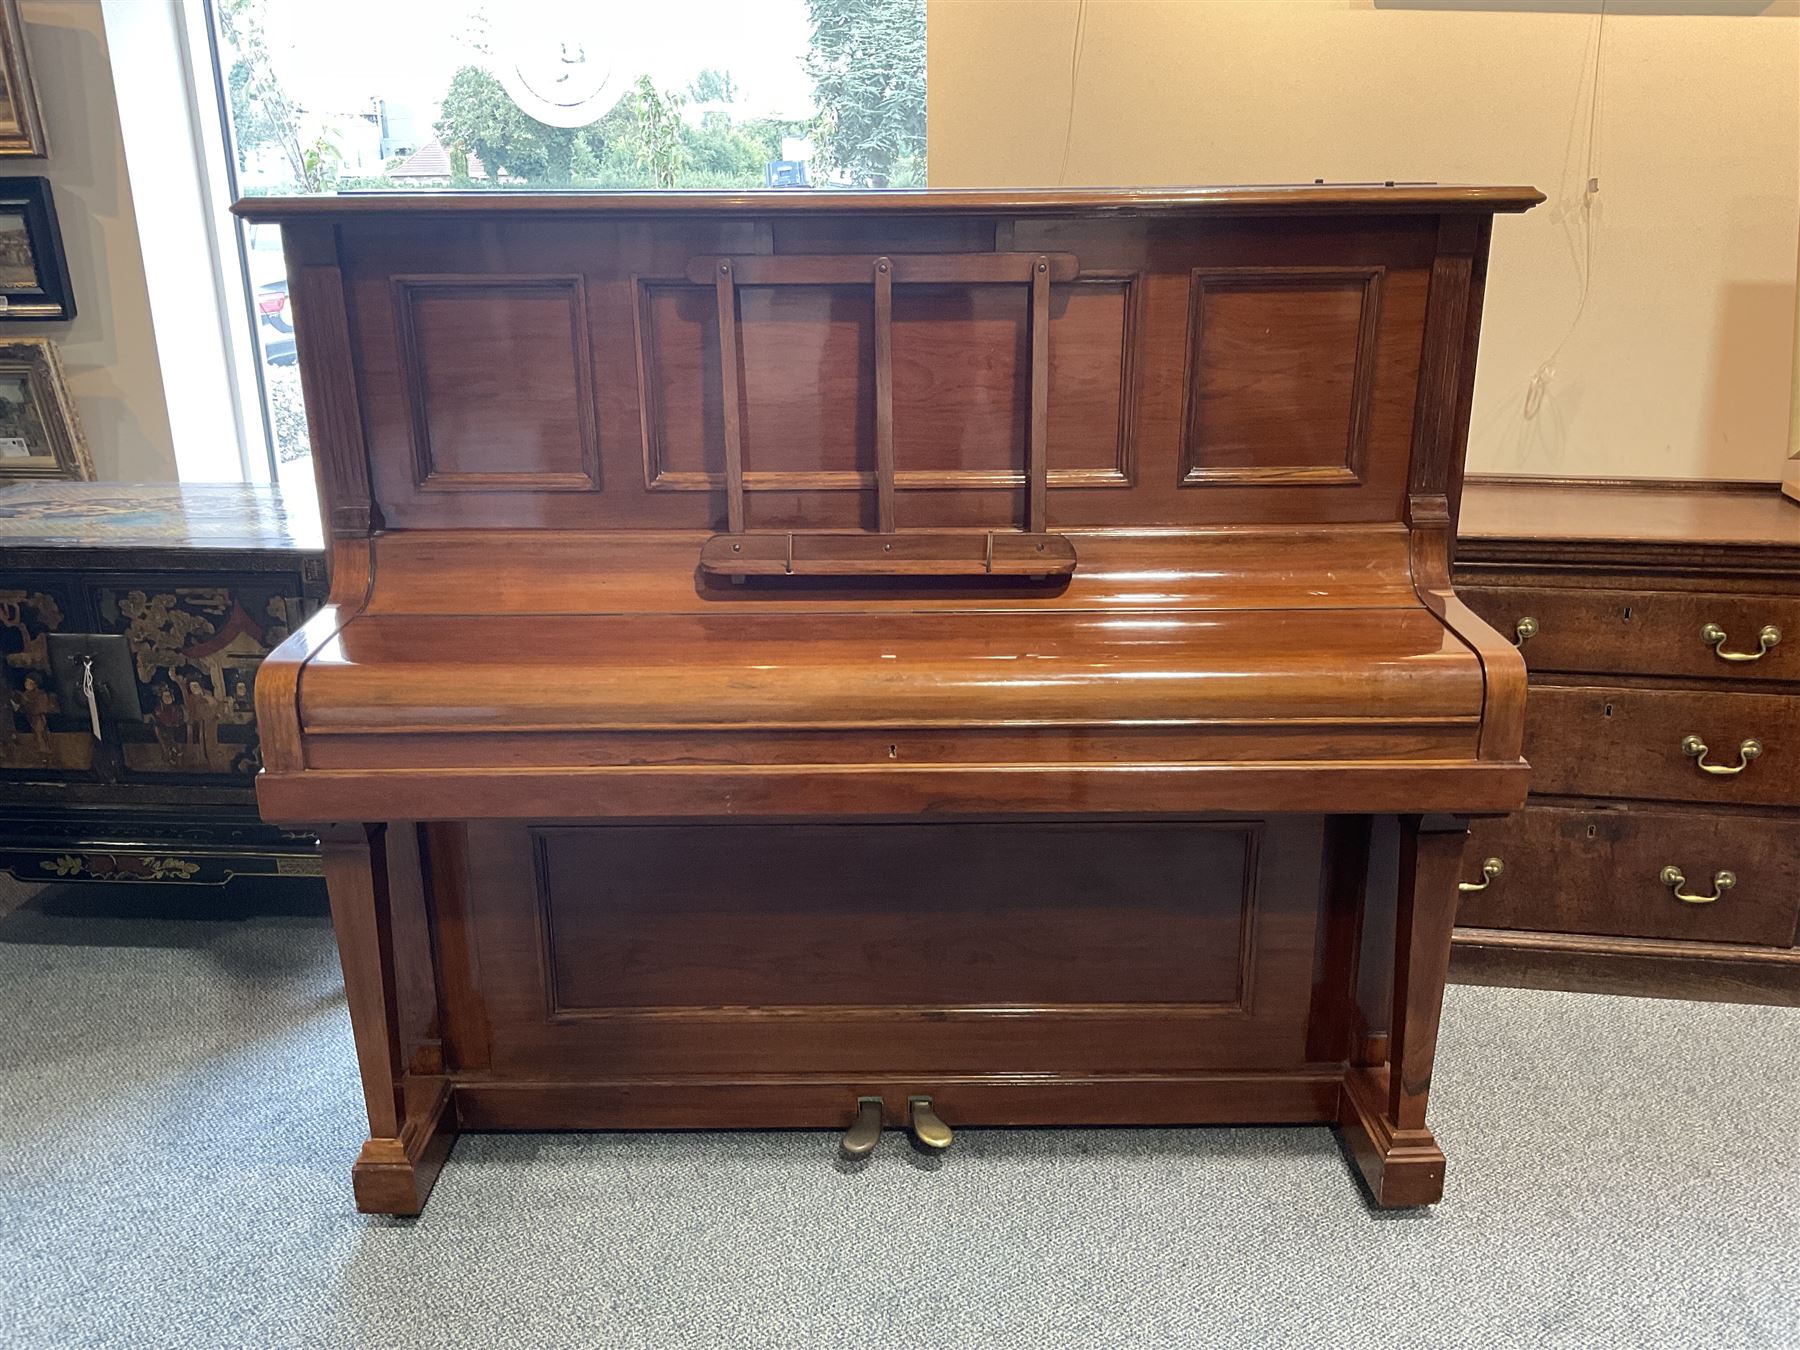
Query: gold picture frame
[21, 122]
[40, 433]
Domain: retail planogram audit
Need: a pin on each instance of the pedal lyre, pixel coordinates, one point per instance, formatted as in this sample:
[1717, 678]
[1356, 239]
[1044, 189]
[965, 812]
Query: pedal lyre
[926, 1125]
[860, 1139]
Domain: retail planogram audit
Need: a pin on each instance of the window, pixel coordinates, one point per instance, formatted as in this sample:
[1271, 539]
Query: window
[497, 95]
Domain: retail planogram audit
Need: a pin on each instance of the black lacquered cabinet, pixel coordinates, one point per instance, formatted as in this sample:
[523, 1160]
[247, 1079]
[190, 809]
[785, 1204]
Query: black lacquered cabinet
[166, 597]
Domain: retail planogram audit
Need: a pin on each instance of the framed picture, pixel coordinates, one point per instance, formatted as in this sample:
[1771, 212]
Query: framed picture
[21, 124]
[40, 436]
[34, 274]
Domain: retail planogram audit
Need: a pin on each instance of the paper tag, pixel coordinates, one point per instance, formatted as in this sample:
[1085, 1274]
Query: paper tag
[87, 692]
[14, 447]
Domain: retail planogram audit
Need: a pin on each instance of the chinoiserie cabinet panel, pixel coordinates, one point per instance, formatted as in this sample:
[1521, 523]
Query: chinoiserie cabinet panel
[192, 587]
[1660, 851]
[37, 738]
[196, 642]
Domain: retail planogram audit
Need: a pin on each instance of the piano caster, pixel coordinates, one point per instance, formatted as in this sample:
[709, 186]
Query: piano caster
[927, 1126]
[860, 1139]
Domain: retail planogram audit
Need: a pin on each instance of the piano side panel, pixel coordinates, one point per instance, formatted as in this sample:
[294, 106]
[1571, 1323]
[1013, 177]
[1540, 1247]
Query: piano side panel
[1202, 372]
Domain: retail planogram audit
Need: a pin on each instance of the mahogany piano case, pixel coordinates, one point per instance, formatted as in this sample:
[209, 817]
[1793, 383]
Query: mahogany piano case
[917, 659]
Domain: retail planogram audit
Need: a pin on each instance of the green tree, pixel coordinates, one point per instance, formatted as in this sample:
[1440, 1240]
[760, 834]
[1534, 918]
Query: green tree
[767, 133]
[718, 148]
[479, 117]
[262, 112]
[251, 127]
[324, 162]
[867, 63]
[655, 133]
[713, 86]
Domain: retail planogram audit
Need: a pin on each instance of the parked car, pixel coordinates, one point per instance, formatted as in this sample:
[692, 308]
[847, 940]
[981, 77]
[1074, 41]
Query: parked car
[785, 173]
[276, 321]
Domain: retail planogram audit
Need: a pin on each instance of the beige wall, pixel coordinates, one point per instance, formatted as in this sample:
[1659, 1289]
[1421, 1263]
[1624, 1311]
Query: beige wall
[1677, 364]
[109, 350]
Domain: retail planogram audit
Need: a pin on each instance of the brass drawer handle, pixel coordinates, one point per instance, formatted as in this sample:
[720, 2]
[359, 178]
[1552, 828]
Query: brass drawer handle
[1490, 869]
[1524, 630]
[1714, 636]
[1674, 880]
[1695, 748]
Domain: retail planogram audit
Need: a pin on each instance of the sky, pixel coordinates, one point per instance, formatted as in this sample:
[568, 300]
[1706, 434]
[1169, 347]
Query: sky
[334, 55]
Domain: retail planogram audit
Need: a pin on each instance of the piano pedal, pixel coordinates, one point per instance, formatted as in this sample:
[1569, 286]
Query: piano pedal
[927, 1126]
[860, 1139]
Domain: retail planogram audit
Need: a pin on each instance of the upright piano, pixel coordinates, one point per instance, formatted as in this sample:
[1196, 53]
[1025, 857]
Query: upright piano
[892, 661]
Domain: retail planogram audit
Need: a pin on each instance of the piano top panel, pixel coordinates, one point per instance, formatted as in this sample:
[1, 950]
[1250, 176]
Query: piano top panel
[1246, 198]
[560, 371]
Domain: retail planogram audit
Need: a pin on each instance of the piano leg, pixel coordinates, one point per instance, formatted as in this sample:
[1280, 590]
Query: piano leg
[1382, 1110]
[377, 909]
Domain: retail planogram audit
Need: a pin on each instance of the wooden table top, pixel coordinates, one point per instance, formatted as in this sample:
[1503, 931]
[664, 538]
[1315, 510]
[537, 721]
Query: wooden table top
[1520, 513]
[153, 516]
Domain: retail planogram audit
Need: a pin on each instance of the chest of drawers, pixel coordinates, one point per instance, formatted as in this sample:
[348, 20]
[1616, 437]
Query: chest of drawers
[1660, 850]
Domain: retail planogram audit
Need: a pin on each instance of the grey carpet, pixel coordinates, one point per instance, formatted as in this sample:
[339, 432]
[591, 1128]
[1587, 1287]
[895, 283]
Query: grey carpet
[178, 1110]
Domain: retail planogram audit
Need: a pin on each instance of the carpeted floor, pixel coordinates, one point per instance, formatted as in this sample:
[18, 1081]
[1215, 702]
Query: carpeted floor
[178, 1110]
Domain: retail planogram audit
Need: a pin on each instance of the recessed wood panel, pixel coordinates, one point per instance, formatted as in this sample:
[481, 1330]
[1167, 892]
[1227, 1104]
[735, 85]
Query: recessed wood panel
[499, 382]
[936, 915]
[806, 357]
[808, 378]
[1280, 370]
[1093, 380]
[961, 385]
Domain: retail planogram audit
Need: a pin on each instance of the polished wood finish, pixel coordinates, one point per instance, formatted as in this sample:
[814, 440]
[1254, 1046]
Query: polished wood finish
[630, 907]
[1607, 586]
[1280, 354]
[987, 647]
[499, 374]
[888, 554]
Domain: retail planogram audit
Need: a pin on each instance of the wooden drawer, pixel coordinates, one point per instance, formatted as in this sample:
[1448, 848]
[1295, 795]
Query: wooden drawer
[1586, 741]
[1629, 632]
[1593, 871]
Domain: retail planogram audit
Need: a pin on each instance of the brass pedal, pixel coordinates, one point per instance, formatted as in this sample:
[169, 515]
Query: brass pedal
[860, 1139]
[926, 1125]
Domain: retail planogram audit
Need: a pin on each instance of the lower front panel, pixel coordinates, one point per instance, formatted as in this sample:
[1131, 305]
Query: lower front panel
[731, 974]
